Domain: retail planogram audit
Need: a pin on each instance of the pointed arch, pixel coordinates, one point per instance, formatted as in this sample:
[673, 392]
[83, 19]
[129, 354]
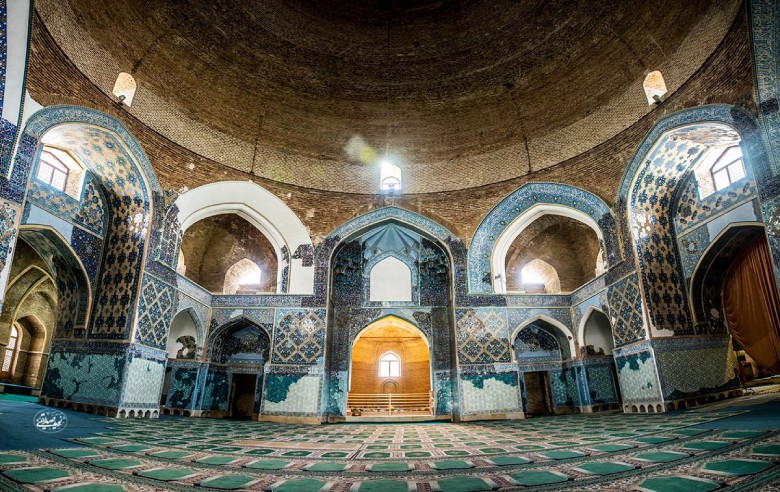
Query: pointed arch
[109, 151]
[565, 331]
[124, 88]
[212, 347]
[174, 334]
[505, 221]
[583, 322]
[390, 279]
[657, 170]
[394, 320]
[655, 87]
[70, 276]
[449, 242]
[267, 213]
[583, 331]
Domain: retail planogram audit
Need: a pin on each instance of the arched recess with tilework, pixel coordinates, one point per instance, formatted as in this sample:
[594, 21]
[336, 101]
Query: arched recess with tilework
[434, 255]
[47, 296]
[237, 352]
[124, 182]
[265, 211]
[563, 334]
[495, 234]
[648, 197]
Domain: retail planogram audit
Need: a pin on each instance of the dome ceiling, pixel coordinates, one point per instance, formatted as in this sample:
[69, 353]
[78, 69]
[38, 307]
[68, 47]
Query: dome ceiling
[460, 93]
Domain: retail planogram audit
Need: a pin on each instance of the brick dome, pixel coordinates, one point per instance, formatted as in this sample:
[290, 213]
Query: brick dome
[463, 94]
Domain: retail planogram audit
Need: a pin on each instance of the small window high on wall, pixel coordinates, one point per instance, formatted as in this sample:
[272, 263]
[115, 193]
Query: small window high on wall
[390, 178]
[729, 168]
[124, 88]
[58, 169]
[10, 350]
[389, 365]
[52, 171]
[655, 87]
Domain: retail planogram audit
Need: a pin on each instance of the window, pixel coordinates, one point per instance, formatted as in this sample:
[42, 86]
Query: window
[390, 178]
[251, 277]
[52, 170]
[389, 366]
[124, 88]
[243, 277]
[728, 169]
[10, 350]
[655, 87]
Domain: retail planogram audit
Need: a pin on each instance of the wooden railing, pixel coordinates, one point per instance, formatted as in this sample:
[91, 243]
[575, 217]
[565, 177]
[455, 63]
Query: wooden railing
[357, 403]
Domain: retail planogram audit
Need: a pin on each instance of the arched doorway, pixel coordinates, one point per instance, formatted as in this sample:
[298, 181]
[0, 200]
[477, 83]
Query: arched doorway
[47, 296]
[734, 290]
[390, 370]
[359, 293]
[541, 347]
[237, 354]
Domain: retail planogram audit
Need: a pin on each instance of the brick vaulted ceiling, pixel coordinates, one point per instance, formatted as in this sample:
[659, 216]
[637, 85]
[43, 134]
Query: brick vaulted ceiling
[462, 93]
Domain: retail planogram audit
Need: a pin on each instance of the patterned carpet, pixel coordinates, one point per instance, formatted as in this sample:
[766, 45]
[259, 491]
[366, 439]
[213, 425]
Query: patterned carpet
[685, 451]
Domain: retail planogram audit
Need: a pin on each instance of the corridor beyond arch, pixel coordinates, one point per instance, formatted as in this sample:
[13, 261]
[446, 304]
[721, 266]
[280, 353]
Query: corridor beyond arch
[390, 370]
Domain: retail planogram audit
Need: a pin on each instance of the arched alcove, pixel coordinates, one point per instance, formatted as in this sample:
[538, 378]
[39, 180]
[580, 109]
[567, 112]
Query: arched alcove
[183, 336]
[344, 262]
[390, 353]
[221, 249]
[536, 276]
[244, 277]
[596, 336]
[673, 155]
[390, 280]
[563, 335]
[566, 239]
[268, 214]
[47, 295]
[541, 341]
[239, 352]
[733, 290]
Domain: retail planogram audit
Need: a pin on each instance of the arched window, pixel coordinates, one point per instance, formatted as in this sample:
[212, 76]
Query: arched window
[10, 350]
[389, 365]
[728, 169]
[52, 171]
[539, 276]
[252, 277]
[181, 265]
[245, 276]
[59, 169]
[655, 87]
[390, 178]
[124, 88]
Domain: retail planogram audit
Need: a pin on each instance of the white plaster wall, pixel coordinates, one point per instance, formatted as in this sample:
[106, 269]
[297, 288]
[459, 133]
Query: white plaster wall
[391, 280]
[44, 217]
[143, 381]
[18, 35]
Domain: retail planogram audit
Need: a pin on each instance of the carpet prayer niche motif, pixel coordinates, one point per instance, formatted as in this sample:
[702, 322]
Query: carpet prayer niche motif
[680, 451]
